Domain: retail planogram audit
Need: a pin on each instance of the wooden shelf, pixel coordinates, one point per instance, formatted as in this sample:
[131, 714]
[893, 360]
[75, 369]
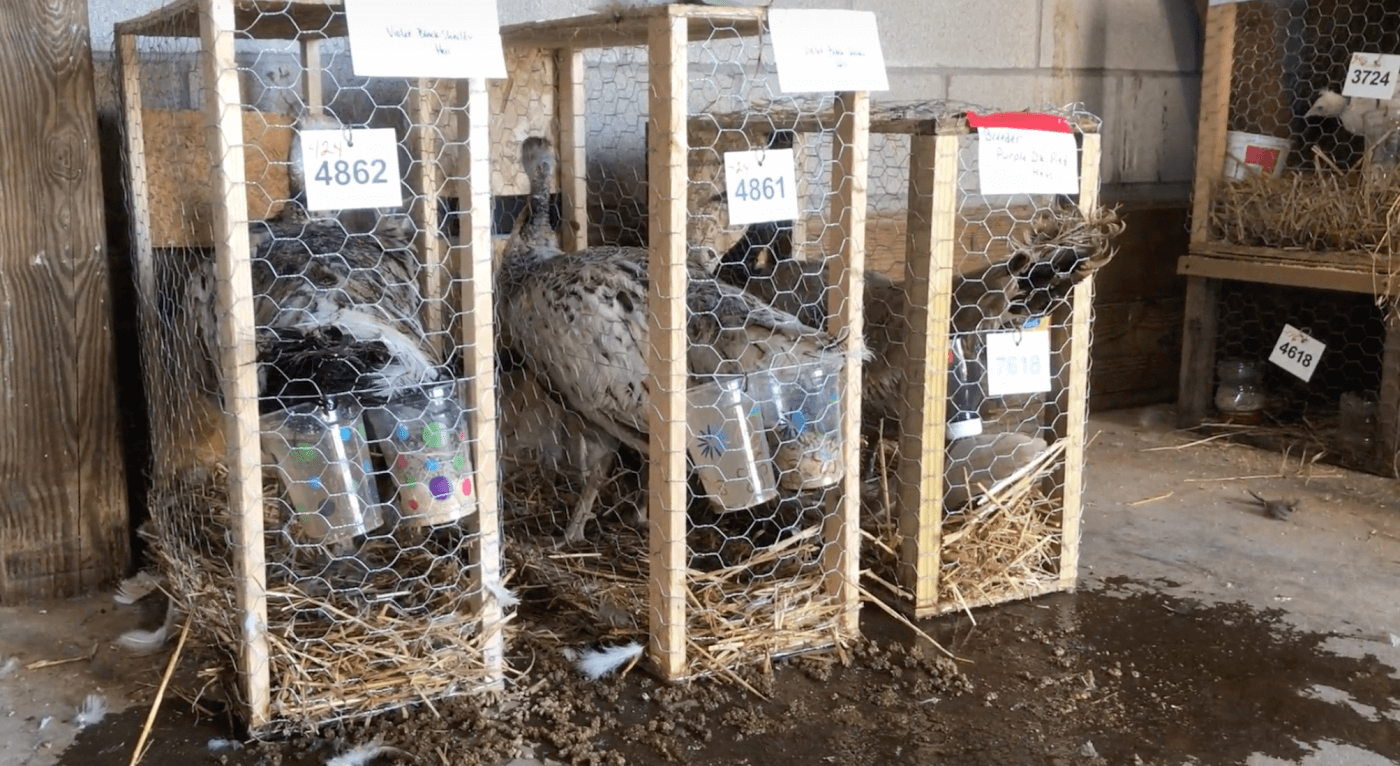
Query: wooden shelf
[1349, 272]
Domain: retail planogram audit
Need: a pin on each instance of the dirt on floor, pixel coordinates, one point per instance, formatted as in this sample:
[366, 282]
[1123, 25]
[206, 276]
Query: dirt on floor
[1204, 631]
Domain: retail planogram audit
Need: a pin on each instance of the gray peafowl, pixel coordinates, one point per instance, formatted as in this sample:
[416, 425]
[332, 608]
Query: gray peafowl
[579, 322]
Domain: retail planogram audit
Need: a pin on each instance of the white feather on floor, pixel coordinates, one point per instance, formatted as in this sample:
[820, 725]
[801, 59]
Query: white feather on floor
[362, 755]
[596, 663]
[9, 667]
[92, 712]
[135, 588]
[148, 641]
[216, 744]
[504, 596]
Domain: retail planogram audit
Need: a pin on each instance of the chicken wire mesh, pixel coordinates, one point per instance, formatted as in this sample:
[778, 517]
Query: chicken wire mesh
[1291, 163]
[979, 504]
[1297, 185]
[589, 456]
[316, 510]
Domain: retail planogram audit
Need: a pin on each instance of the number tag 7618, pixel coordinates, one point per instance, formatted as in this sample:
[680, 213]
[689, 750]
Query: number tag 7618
[351, 169]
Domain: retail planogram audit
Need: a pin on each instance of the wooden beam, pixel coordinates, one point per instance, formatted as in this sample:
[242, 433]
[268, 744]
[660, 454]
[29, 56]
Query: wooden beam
[1216, 72]
[473, 261]
[64, 526]
[1388, 405]
[1317, 274]
[1197, 381]
[666, 358]
[426, 147]
[928, 276]
[313, 89]
[846, 307]
[1074, 372]
[572, 107]
[237, 353]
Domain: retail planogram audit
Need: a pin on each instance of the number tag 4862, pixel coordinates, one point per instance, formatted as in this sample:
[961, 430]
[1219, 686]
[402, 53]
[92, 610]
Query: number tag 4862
[1297, 352]
[761, 186]
[1372, 75]
[351, 169]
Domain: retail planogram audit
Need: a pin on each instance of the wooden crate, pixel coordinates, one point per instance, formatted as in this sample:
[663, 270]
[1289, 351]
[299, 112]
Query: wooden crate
[668, 33]
[1244, 59]
[221, 139]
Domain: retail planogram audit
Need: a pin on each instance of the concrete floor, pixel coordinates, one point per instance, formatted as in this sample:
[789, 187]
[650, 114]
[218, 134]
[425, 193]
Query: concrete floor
[1160, 513]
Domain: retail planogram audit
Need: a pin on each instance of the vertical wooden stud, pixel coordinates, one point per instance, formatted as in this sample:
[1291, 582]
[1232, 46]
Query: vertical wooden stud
[474, 262]
[426, 147]
[313, 90]
[1388, 405]
[1197, 374]
[931, 242]
[238, 355]
[572, 107]
[666, 359]
[1216, 71]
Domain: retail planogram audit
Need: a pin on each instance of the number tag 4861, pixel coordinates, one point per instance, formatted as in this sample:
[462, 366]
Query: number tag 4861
[351, 169]
[761, 186]
[1297, 352]
[1372, 75]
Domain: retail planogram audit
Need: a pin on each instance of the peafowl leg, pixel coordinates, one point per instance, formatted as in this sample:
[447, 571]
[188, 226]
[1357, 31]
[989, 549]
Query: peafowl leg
[597, 461]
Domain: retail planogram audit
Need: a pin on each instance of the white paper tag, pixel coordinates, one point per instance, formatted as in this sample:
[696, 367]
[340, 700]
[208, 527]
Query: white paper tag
[1297, 352]
[425, 38]
[762, 186]
[1018, 362]
[1225, 2]
[351, 169]
[823, 51]
[1016, 161]
[1372, 75]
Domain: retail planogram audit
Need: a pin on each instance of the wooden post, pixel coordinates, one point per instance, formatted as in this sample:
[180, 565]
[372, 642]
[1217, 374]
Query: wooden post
[846, 307]
[1388, 405]
[313, 89]
[474, 262]
[237, 353]
[1197, 374]
[573, 147]
[1073, 380]
[426, 146]
[63, 511]
[1216, 71]
[666, 359]
[931, 242]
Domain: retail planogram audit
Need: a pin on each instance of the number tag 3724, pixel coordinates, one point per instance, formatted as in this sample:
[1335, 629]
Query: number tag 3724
[1372, 75]
[1018, 362]
[351, 169]
[1297, 352]
[761, 186]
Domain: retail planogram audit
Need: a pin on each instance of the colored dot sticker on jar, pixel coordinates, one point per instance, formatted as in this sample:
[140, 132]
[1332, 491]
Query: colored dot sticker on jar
[315, 482]
[432, 464]
[410, 482]
[440, 487]
[401, 462]
[345, 433]
[432, 435]
[413, 504]
[459, 463]
[402, 432]
[369, 468]
[467, 487]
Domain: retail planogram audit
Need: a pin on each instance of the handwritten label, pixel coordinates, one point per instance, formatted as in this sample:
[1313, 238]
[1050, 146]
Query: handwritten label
[425, 38]
[1372, 75]
[825, 51]
[1014, 161]
[1297, 352]
[761, 186]
[1018, 362]
[351, 169]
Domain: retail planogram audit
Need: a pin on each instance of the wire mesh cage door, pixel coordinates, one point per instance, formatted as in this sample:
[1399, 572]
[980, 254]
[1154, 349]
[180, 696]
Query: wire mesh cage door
[973, 492]
[1295, 181]
[320, 380]
[645, 206]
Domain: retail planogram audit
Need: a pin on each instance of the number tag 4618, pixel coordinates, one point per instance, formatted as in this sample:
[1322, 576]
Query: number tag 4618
[1297, 352]
[1372, 75]
[761, 186]
[351, 169]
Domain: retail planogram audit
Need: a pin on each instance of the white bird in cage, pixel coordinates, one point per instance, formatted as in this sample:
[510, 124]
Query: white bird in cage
[580, 322]
[1060, 250]
[1355, 113]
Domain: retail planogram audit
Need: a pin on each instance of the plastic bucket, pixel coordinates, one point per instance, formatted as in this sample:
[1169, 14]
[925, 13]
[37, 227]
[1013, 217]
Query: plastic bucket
[1251, 154]
[423, 439]
[728, 446]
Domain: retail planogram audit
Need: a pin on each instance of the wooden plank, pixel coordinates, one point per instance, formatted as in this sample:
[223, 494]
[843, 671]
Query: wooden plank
[572, 107]
[1320, 275]
[928, 275]
[138, 198]
[630, 26]
[666, 358]
[63, 511]
[314, 91]
[1342, 260]
[1216, 72]
[1073, 373]
[472, 257]
[846, 307]
[253, 19]
[1197, 375]
[237, 355]
[426, 146]
[1388, 405]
